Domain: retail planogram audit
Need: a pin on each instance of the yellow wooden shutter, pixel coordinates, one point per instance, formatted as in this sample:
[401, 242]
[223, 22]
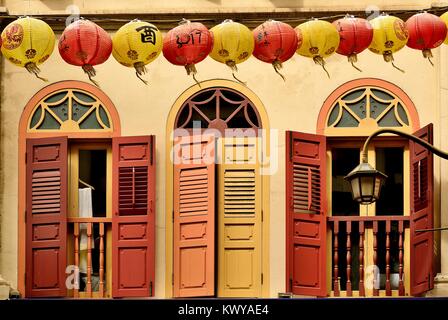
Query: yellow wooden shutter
[239, 218]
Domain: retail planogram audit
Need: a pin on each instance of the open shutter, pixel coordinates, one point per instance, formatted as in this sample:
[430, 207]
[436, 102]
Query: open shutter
[421, 179]
[133, 231]
[46, 217]
[306, 214]
[194, 216]
[240, 218]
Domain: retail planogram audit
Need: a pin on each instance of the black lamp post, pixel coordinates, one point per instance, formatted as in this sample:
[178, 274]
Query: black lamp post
[366, 181]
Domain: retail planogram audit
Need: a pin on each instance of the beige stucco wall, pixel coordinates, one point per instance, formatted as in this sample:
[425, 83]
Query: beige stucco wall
[293, 105]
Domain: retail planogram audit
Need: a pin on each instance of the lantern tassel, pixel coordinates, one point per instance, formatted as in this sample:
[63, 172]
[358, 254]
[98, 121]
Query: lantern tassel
[191, 69]
[353, 58]
[388, 57]
[277, 64]
[320, 61]
[140, 69]
[31, 67]
[232, 65]
[90, 71]
[428, 55]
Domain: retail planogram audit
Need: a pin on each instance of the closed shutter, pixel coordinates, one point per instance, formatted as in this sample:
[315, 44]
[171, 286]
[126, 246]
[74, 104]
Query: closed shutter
[306, 214]
[133, 220]
[422, 254]
[240, 218]
[46, 217]
[194, 216]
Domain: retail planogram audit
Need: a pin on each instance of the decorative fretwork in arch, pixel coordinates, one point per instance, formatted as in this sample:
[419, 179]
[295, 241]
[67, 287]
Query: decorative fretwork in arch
[70, 110]
[218, 108]
[365, 109]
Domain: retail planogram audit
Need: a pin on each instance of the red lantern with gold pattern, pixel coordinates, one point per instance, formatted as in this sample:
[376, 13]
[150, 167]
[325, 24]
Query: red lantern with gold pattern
[275, 43]
[426, 31]
[355, 36]
[84, 43]
[187, 44]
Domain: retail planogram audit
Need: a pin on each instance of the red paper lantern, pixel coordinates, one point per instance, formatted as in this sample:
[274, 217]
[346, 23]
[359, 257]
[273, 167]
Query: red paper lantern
[426, 32]
[84, 43]
[275, 43]
[187, 44]
[355, 34]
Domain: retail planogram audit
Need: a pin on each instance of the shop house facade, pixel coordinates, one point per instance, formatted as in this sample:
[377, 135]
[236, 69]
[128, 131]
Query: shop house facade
[222, 189]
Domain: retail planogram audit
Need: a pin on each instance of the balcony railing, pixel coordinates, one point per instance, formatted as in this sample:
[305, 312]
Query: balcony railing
[100, 225]
[347, 230]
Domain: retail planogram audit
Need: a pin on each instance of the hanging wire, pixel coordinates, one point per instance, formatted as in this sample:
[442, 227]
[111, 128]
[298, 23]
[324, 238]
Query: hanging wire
[268, 15]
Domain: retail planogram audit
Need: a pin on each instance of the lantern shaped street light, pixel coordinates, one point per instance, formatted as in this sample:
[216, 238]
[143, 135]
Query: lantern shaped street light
[366, 183]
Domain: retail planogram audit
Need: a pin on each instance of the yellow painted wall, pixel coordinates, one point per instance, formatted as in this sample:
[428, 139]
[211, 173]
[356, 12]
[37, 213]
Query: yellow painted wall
[293, 105]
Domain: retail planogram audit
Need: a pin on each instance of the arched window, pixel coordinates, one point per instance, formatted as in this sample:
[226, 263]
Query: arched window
[69, 110]
[218, 108]
[363, 106]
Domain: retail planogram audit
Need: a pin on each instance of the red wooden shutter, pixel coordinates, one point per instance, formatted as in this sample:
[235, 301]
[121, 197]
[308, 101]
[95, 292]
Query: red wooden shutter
[194, 216]
[421, 213]
[133, 231]
[46, 217]
[306, 214]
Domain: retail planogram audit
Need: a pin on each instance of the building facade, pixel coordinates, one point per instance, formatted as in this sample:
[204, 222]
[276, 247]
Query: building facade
[222, 189]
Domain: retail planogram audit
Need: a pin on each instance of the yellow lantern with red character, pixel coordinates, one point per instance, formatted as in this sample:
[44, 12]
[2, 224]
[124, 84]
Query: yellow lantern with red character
[389, 36]
[28, 42]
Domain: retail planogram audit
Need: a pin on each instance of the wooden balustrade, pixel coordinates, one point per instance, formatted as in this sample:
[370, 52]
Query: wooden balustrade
[387, 226]
[95, 227]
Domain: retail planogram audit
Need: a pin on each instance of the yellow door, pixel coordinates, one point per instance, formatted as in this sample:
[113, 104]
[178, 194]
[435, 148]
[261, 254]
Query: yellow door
[239, 218]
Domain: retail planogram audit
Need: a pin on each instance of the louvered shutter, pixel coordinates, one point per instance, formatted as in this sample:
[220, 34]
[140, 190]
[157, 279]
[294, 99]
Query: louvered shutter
[133, 220]
[240, 218]
[306, 214]
[194, 216]
[422, 254]
[46, 217]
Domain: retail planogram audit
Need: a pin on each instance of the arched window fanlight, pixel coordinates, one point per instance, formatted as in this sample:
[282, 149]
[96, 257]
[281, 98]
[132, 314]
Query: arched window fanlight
[70, 110]
[220, 109]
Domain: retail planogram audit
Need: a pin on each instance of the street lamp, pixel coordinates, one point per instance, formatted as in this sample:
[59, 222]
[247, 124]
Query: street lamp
[366, 181]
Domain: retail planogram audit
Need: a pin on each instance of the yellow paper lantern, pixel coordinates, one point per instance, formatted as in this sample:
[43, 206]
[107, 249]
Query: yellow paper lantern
[28, 42]
[444, 17]
[318, 39]
[233, 43]
[136, 44]
[389, 35]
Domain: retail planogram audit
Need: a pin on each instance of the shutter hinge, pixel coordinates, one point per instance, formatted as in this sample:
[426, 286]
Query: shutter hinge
[172, 279]
[172, 216]
[26, 157]
[25, 215]
[290, 284]
[150, 288]
[25, 280]
[262, 278]
[262, 215]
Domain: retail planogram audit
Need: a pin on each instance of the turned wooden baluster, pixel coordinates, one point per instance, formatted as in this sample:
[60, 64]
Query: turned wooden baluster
[362, 291]
[101, 259]
[349, 258]
[89, 259]
[388, 286]
[335, 259]
[76, 234]
[376, 290]
[400, 258]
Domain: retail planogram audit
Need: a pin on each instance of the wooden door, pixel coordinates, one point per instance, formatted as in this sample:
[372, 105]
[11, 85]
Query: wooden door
[240, 218]
[422, 253]
[194, 216]
[306, 214]
[133, 219]
[46, 217]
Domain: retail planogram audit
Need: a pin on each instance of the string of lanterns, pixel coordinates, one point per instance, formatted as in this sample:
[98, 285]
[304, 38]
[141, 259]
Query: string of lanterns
[28, 42]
